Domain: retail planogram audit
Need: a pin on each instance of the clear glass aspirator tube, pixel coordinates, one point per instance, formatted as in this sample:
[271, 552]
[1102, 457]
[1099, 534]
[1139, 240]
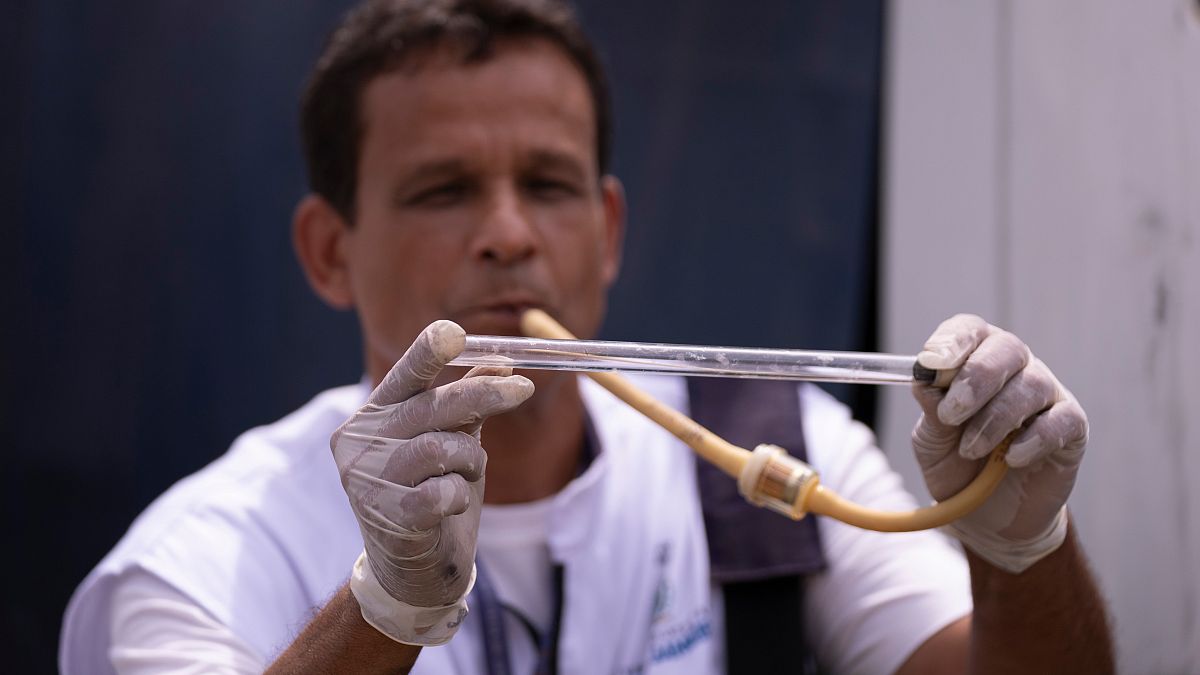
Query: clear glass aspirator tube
[776, 364]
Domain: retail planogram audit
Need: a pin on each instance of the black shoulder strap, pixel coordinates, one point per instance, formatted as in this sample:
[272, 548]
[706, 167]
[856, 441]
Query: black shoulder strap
[745, 542]
[757, 555]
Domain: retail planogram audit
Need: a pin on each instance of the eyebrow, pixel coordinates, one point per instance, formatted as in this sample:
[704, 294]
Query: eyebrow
[551, 159]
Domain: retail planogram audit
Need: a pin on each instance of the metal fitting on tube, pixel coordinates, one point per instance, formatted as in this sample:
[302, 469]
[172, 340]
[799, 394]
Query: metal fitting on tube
[776, 480]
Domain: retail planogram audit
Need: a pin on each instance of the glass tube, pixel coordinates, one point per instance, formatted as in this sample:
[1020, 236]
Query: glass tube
[690, 360]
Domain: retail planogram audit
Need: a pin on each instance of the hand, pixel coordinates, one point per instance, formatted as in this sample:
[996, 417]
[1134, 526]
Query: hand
[412, 465]
[1000, 387]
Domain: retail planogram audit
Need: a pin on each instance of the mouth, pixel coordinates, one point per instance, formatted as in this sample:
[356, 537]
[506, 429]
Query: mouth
[497, 317]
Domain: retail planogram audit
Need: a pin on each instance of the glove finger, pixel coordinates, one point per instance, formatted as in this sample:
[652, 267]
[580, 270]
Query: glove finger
[356, 452]
[459, 405]
[952, 341]
[494, 371]
[933, 443]
[945, 471]
[928, 397]
[433, 454]
[435, 499]
[1000, 356]
[931, 439]
[436, 346]
[483, 371]
[1061, 433]
[1026, 394]
[414, 511]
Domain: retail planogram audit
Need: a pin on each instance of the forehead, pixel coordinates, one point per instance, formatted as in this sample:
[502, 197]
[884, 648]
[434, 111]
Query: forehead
[527, 91]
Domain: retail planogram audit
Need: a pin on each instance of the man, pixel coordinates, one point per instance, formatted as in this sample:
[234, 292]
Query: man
[457, 154]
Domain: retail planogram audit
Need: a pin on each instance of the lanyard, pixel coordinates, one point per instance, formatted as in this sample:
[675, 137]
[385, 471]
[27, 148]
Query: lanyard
[495, 642]
[491, 610]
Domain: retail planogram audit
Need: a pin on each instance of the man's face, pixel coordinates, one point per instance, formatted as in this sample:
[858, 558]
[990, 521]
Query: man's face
[478, 196]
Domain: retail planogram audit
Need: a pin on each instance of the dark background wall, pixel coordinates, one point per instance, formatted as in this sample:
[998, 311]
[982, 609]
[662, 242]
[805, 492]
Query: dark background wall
[152, 308]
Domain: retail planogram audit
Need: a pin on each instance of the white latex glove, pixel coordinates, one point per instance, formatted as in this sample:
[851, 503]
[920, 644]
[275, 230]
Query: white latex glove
[1000, 387]
[412, 465]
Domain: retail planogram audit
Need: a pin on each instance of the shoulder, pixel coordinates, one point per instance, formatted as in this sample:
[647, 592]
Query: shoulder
[845, 453]
[155, 629]
[292, 452]
[234, 530]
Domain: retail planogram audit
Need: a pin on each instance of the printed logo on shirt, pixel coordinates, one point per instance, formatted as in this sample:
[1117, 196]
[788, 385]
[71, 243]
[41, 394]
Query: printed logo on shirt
[680, 637]
[672, 633]
[662, 592]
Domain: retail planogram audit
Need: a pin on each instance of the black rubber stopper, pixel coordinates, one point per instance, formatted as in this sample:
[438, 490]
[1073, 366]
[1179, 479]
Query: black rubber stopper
[923, 374]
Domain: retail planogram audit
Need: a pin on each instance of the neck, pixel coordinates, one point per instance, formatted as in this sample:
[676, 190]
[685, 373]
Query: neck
[534, 451]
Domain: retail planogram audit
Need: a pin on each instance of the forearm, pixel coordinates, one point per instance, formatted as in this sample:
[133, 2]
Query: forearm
[1048, 619]
[339, 640]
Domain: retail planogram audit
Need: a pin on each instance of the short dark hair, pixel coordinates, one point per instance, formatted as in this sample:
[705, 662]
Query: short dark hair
[380, 36]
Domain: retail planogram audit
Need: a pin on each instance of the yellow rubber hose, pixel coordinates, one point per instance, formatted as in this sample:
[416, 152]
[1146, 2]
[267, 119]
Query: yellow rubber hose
[780, 481]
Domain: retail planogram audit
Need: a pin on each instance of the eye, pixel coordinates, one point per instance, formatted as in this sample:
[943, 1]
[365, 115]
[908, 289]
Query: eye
[550, 189]
[443, 194]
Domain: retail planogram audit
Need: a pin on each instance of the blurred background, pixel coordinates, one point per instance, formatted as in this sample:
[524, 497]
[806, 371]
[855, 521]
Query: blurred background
[825, 174]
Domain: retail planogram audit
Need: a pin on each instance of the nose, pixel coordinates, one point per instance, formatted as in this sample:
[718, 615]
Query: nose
[505, 234]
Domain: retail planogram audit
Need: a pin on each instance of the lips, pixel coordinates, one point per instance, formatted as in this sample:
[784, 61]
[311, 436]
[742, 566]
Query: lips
[499, 316]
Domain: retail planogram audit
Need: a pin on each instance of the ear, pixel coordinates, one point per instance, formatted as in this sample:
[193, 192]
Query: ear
[319, 234]
[613, 194]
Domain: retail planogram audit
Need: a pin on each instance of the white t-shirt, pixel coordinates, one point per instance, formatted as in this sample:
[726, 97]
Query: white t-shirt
[881, 596]
[514, 548]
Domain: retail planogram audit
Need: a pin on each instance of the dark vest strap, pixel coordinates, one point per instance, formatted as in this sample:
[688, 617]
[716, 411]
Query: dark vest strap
[748, 543]
[757, 555]
[764, 627]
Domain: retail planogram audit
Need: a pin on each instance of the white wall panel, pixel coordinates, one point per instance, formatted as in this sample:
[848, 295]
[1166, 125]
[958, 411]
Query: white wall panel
[1093, 148]
[941, 173]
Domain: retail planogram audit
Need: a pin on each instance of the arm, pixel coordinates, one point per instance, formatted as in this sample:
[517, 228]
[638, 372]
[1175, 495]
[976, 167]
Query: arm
[338, 640]
[1008, 631]
[1050, 616]
[1036, 606]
